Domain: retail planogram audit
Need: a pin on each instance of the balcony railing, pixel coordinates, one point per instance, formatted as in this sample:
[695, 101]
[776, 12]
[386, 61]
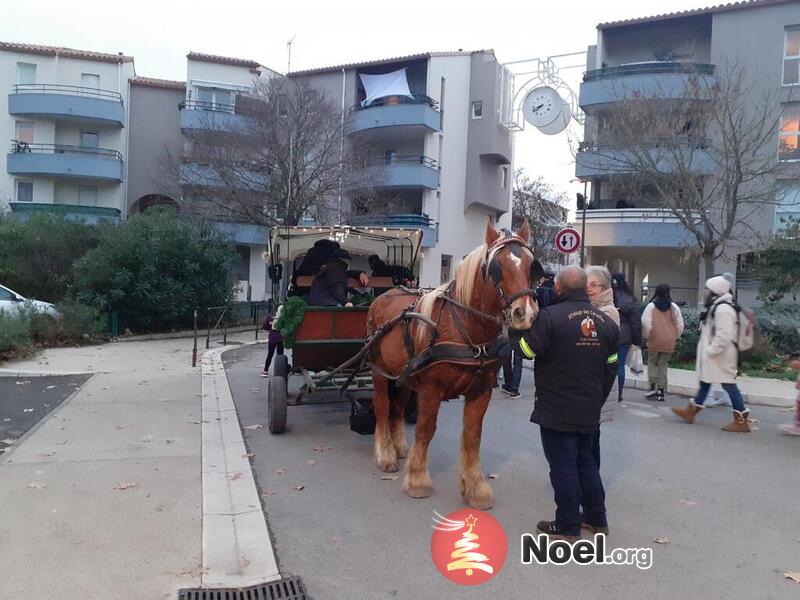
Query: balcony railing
[684, 141]
[70, 90]
[208, 106]
[18, 147]
[395, 100]
[648, 68]
[407, 221]
[405, 159]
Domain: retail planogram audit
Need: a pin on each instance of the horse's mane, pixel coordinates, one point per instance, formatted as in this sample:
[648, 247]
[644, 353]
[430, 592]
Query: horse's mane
[466, 275]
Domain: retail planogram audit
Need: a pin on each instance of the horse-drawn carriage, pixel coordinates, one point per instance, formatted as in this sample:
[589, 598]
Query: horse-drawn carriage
[328, 336]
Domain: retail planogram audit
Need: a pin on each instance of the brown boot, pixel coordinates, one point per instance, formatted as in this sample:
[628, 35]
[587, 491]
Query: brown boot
[739, 423]
[689, 413]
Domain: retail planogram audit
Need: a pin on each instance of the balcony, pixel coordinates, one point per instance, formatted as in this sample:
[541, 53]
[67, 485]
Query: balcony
[206, 176]
[420, 113]
[87, 214]
[61, 160]
[408, 171]
[599, 160]
[635, 227]
[67, 102]
[662, 80]
[210, 116]
[409, 221]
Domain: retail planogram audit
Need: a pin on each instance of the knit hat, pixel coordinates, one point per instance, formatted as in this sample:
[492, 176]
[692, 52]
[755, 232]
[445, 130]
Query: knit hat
[718, 285]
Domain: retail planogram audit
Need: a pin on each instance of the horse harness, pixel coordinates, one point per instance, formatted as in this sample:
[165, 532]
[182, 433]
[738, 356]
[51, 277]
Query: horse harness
[468, 353]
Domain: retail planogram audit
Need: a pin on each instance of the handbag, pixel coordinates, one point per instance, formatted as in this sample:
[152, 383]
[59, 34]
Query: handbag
[634, 361]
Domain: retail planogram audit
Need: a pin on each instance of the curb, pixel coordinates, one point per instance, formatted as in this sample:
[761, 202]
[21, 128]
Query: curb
[236, 545]
[632, 381]
[10, 373]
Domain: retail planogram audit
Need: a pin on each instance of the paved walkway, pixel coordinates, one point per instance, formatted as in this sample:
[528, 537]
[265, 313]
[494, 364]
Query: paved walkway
[103, 498]
[756, 390]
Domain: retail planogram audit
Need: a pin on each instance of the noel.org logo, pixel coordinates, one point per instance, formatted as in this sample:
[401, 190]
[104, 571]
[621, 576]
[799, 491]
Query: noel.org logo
[468, 546]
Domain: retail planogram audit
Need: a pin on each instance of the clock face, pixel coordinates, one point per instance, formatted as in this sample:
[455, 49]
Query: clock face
[542, 106]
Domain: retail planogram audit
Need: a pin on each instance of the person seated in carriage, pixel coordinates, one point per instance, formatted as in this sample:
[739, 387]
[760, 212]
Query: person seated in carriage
[330, 283]
[315, 261]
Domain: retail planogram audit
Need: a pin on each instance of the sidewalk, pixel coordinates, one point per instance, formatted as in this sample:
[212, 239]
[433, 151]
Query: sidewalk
[756, 390]
[103, 498]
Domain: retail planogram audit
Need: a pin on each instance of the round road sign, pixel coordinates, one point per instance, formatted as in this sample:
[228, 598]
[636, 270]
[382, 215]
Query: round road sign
[568, 240]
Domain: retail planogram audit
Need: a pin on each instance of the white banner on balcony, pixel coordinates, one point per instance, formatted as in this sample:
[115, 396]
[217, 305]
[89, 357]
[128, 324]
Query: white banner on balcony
[386, 84]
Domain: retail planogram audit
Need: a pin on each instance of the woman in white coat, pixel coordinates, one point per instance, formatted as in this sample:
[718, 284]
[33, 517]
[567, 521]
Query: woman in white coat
[717, 355]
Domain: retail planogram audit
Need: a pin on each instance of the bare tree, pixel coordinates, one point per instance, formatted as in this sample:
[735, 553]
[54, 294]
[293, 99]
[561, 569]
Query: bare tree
[276, 157]
[545, 210]
[709, 157]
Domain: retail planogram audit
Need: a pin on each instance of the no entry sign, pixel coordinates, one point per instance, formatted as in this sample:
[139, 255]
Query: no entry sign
[568, 240]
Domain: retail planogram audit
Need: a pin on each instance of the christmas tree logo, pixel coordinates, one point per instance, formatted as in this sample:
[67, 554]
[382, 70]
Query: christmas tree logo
[469, 547]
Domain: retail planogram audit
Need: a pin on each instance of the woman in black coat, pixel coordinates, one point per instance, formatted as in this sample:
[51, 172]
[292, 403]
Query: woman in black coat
[630, 323]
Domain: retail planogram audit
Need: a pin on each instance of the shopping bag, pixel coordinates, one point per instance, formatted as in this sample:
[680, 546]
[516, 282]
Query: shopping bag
[635, 361]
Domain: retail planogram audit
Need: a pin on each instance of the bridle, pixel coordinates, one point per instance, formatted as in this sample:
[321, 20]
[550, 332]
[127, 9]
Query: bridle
[488, 269]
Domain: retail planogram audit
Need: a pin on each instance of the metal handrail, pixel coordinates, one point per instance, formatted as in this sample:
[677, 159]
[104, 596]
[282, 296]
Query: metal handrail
[18, 147]
[395, 100]
[402, 220]
[700, 143]
[57, 88]
[207, 106]
[406, 159]
[648, 68]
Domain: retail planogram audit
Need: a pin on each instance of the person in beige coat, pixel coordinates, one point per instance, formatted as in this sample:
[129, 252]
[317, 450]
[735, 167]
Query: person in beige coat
[601, 295]
[662, 325]
[717, 355]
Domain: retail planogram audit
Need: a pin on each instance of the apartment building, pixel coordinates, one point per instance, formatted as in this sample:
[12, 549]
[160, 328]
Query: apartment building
[434, 123]
[166, 115]
[653, 57]
[65, 116]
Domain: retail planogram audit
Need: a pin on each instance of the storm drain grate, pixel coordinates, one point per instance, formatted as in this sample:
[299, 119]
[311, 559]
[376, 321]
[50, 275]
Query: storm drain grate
[285, 589]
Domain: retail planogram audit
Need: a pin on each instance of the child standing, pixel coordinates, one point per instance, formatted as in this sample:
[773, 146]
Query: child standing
[274, 342]
[662, 325]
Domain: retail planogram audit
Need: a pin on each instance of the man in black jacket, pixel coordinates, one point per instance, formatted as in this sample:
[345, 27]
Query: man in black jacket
[575, 349]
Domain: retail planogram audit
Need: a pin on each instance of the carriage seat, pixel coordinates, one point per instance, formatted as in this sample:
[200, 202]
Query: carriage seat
[305, 281]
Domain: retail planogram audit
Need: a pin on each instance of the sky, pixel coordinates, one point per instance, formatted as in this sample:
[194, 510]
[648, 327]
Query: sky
[159, 34]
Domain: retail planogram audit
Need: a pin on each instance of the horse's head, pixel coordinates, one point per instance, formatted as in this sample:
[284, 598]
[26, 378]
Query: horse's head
[510, 270]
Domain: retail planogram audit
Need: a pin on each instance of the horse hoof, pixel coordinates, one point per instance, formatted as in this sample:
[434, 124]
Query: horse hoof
[418, 489]
[402, 450]
[388, 467]
[480, 497]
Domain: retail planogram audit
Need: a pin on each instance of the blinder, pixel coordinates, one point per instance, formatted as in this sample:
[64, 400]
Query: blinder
[492, 268]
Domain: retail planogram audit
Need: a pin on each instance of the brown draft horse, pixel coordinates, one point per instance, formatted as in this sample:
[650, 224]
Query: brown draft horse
[492, 287]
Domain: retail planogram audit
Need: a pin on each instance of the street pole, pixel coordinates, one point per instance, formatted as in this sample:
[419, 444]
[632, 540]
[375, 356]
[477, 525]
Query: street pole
[583, 228]
[194, 349]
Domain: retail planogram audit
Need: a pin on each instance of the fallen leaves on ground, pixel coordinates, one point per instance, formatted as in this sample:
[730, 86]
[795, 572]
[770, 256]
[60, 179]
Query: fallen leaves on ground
[126, 485]
[662, 540]
[495, 476]
[121, 426]
[23, 382]
[147, 439]
[50, 387]
[8, 441]
[322, 448]
[253, 427]
[46, 454]
[687, 502]
[390, 477]
[280, 471]
[243, 562]
[753, 420]
[311, 461]
[36, 485]
[248, 455]
[27, 410]
[793, 575]
[63, 443]
[268, 493]
[235, 476]
[300, 487]
[170, 441]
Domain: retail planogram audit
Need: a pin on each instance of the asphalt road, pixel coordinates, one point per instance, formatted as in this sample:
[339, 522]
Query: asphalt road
[727, 503]
[24, 401]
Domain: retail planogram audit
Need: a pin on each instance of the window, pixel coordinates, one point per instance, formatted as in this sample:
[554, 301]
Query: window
[791, 56]
[790, 133]
[447, 262]
[788, 206]
[477, 109]
[7, 295]
[504, 177]
[389, 156]
[89, 80]
[24, 191]
[26, 73]
[87, 195]
[215, 99]
[90, 139]
[24, 133]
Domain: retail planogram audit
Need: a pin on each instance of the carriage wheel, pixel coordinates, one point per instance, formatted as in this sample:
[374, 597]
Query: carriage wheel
[412, 408]
[281, 368]
[277, 399]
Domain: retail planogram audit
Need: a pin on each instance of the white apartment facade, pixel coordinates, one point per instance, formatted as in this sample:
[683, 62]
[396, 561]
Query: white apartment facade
[65, 115]
[448, 158]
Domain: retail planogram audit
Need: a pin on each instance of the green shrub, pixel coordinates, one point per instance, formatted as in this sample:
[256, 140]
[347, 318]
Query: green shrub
[14, 333]
[155, 269]
[79, 323]
[37, 255]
